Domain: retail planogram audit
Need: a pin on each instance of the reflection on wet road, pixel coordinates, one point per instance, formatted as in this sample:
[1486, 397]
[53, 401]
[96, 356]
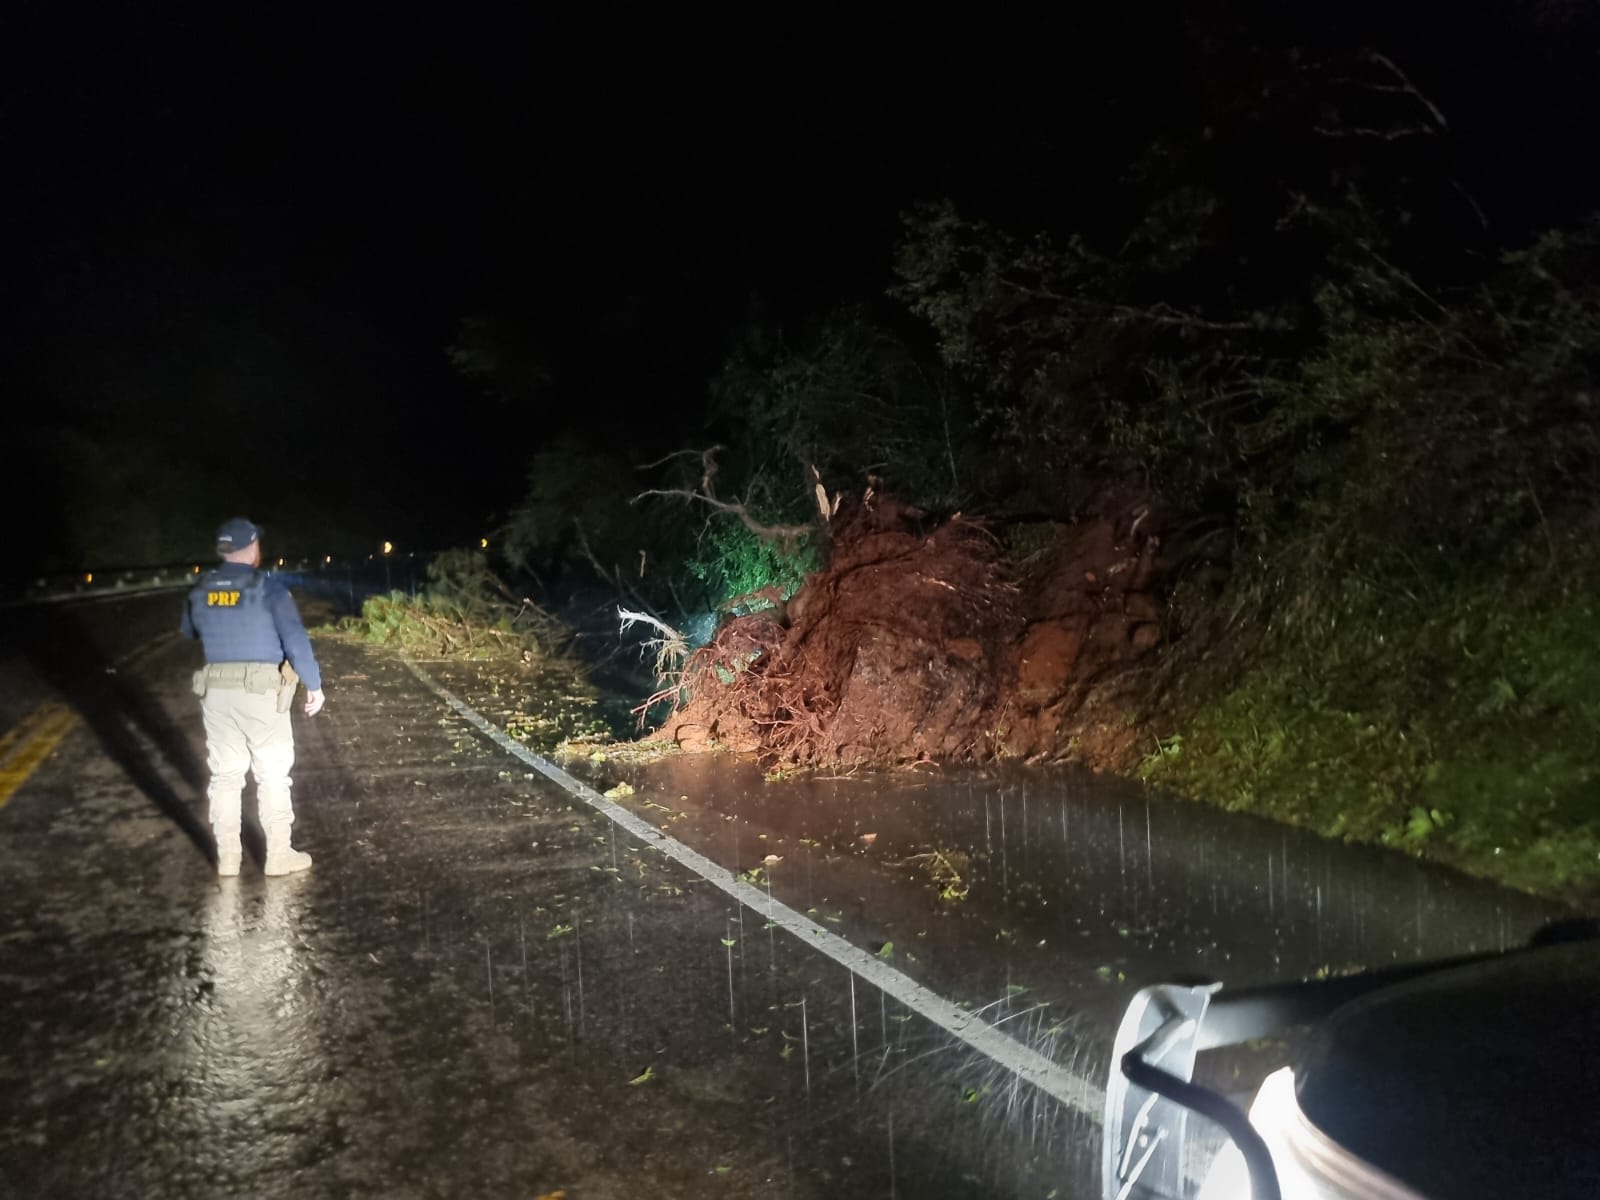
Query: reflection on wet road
[1075, 880]
[484, 988]
[256, 1031]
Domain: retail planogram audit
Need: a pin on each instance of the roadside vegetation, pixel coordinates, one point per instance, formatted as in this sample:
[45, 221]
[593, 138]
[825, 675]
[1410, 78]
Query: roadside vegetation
[1270, 471]
[1465, 733]
[522, 670]
[465, 611]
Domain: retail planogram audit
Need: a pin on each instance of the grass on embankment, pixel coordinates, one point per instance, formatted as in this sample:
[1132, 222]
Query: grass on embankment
[1466, 734]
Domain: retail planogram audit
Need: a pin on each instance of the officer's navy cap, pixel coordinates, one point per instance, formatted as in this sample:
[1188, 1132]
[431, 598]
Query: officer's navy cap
[236, 535]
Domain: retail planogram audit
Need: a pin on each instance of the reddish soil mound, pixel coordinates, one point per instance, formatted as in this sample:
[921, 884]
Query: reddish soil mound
[1094, 616]
[913, 646]
[896, 652]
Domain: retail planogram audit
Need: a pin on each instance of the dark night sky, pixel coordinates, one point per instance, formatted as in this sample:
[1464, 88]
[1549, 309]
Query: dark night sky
[249, 238]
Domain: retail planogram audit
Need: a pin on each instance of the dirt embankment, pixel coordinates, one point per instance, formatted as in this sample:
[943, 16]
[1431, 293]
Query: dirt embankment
[914, 644]
[1095, 617]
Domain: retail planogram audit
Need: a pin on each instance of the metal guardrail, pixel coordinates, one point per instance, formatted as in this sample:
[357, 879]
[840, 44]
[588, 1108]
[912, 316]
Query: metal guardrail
[346, 579]
[99, 585]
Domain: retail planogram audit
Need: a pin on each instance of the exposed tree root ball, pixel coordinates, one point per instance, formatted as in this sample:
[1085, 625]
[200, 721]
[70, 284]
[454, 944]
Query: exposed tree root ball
[912, 645]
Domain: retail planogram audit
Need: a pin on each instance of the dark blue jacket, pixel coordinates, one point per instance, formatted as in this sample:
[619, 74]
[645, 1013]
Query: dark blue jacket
[245, 615]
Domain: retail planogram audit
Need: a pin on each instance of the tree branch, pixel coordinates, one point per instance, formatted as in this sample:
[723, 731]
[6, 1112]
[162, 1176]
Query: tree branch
[702, 454]
[1383, 135]
[1402, 86]
[1163, 313]
[614, 577]
[781, 533]
[1160, 313]
[1406, 86]
[785, 534]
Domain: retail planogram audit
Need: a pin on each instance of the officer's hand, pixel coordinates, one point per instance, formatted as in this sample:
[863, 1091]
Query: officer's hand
[313, 702]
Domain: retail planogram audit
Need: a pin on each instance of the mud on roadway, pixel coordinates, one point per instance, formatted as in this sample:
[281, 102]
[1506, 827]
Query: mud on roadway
[480, 987]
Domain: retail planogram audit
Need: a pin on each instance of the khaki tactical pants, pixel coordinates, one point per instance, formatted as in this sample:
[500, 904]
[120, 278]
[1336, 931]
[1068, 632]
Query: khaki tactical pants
[245, 731]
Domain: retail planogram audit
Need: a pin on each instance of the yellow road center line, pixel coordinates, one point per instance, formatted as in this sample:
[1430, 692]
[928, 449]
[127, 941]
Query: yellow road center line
[24, 729]
[34, 751]
[25, 746]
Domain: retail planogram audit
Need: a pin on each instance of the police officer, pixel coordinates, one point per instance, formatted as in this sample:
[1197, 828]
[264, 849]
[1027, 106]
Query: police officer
[256, 651]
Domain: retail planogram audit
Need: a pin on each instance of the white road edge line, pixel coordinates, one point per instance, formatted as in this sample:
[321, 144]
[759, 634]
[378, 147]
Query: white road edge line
[1034, 1068]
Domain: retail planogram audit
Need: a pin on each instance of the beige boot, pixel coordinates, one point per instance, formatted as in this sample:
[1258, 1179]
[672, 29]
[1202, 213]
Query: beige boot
[282, 858]
[229, 855]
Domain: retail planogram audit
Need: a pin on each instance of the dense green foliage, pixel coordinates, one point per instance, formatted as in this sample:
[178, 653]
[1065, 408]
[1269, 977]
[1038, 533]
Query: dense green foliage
[1287, 319]
[466, 611]
[585, 518]
[1397, 422]
[731, 561]
[1428, 433]
[1465, 732]
[1452, 419]
[1414, 494]
[850, 400]
[577, 506]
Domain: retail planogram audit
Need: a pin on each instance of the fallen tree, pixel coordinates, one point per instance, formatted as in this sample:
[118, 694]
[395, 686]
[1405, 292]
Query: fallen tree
[892, 653]
[915, 644]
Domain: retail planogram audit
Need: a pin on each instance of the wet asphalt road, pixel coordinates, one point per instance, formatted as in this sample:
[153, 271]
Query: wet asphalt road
[481, 988]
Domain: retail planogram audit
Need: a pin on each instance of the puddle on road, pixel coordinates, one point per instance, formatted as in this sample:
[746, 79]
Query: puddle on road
[1043, 899]
[785, 1073]
[1071, 872]
[1061, 893]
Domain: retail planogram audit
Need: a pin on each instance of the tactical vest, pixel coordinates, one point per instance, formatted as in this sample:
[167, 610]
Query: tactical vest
[228, 612]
